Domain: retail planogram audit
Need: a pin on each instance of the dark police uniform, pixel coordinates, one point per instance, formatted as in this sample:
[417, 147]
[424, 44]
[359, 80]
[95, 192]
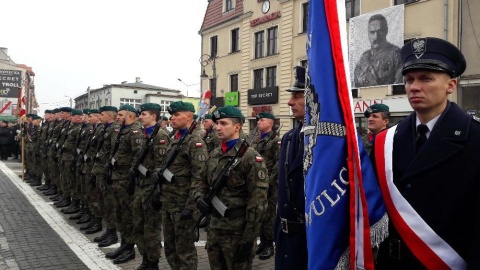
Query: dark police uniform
[441, 181]
[290, 232]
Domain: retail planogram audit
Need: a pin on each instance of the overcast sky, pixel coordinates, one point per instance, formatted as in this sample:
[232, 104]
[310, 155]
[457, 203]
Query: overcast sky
[72, 45]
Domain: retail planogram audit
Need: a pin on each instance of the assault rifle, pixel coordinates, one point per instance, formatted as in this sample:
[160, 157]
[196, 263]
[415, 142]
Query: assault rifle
[164, 174]
[83, 153]
[99, 146]
[137, 166]
[252, 136]
[207, 132]
[64, 139]
[111, 162]
[211, 197]
[274, 134]
[77, 151]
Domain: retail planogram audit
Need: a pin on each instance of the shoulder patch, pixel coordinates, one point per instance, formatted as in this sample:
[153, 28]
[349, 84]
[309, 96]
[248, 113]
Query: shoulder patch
[198, 144]
[117, 130]
[161, 142]
[136, 132]
[279, 142]
[259, 159]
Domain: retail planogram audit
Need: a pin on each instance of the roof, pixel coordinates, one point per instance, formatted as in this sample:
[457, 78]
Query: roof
[142, 86]
[215, 16]
[27, 68]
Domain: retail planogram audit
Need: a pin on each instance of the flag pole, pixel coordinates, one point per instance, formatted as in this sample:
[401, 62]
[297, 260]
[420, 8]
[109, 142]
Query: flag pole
[23, 158]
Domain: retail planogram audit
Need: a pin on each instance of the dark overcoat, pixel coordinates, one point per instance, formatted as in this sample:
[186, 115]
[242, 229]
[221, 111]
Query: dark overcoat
[291, 248]
[442, 183]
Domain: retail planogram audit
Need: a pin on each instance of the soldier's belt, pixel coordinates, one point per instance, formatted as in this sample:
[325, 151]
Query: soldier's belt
[292, 226]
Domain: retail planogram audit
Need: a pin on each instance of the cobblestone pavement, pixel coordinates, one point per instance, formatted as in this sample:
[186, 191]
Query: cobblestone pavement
[36, 235]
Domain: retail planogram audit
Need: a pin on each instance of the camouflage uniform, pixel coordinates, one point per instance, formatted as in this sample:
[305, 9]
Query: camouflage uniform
[176, 196]
[147, 224]
[211, 139]
[90, 192]
[66, 162]
[269, 150]
[245, 195]
[62, 170]
[29, 155]
[54, 169]
[85, 135]
[42, 161]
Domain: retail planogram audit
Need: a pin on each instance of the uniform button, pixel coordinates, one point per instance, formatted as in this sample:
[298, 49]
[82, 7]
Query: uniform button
[286, 256]
[290, 180]
[408, 186]
[285, 205]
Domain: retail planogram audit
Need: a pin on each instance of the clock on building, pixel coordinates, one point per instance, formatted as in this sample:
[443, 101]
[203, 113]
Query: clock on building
[265, 6]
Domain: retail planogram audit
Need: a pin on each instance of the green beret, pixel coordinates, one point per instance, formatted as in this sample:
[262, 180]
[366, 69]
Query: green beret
[379, 107]
[180, 106]
[30, 115]
[208, 116]
[66, 109]
[265, 115]
[90, 111]
[164, 118]
[48, 111]
[108, 109]
[56, 110]
[35, 117]
[149, 107]
[128, 108]
[195, 116]
[77, 112]
[86, 111]
[227, 112]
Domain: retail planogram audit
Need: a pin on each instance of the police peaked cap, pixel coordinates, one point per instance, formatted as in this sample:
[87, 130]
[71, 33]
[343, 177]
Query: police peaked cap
[265, 115]
[299, 84]
[66, 109]
[149, 107]
[433, 54]
[227, 112]
[180, 106]
[48, 111]
[108, 109]
[90, 111]
[77, 112]
[379, 107]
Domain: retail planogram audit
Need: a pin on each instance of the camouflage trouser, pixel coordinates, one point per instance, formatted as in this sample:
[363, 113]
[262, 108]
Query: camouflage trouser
[28, 159]
[40, 162]
[180, 248]
[221, 247]
[266, 229]
[96, 197]
[54, 172]
[123, 209]
[146, 225]
[66, 176]
[105, 205]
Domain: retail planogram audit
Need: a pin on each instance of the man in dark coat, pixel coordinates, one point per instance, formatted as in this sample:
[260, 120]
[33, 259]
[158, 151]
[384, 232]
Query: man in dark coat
[4, 140]
[290, 232]
[430, 175]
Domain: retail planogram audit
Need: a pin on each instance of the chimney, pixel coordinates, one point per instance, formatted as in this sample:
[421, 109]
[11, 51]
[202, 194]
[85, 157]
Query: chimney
[124, 82]
[5, 51]
[137, 80]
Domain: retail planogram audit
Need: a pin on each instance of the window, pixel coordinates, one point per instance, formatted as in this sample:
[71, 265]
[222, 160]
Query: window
[235, 40]
[399, 2]
[259, 45]
[352, 7]
[213, 88]
[164, 104]
[398, 89]
[305, 17]
[213, 46]
[272, 40]
[355, 93]
[258, 78]
[234, 83]
[130, 101]
[271, 76]
[228, 5]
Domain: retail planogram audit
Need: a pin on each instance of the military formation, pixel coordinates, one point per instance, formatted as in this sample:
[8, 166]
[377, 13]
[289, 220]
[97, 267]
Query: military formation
[121, 173]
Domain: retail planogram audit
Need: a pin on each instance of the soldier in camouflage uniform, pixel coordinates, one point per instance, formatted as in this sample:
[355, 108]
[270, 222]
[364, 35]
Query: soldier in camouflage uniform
[40, 150]
[66, 160]
[61, 199]
[102, 207]
[231, 239]
[53, 168]
[178, 210]
[126, 144]
[165, 124]
[210, 137]
[34, 138]
[377, 119]
[147, 223]
[27, 137]
[45, 135]
[267, 145]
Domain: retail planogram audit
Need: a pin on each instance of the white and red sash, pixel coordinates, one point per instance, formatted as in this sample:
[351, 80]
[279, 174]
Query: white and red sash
[424, 243]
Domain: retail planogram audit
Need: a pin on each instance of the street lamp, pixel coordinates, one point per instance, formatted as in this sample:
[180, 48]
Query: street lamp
[205, 60]
[70, 100]
[187, 85]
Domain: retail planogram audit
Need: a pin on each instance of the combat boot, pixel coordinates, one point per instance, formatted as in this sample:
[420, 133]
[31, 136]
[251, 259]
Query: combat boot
[74, 208]
[85, 218]
[152, 265]
[267, 252]
[52, 191]
[127, 255]
[144, 264]
[44, 187]
[96, 227]
[260, 247]
[78, 215]
[65, 203]
[114, 254]
[88, 226]
[58, 199]
[110, 238]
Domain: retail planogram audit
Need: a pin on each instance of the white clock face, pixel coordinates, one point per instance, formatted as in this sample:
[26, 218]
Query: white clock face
[265, 6]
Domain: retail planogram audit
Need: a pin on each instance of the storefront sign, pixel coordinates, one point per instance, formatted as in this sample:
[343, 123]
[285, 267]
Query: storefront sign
[394, 104]
[264, 19]
[231, 98]
[266, 95]
[10, 82]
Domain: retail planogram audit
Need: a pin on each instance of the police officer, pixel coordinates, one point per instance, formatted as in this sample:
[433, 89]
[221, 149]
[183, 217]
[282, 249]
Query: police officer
[147, 222]
[290, 233]
[267, 145]
[231, 239]
[378, 116]
[432, 174]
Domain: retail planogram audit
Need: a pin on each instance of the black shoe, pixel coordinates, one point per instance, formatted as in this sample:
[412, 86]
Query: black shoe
[88, 226]
[85, 218]
[127, 255]
[267, 253]
[65, 203]
[152, 265]
[114, 254]
[144, 264]
[97, 227]
[45, 186]
[51, 192]
[73, 209]
[58, 199]
[110, 239]
[260, 248]
[102, 237]
[78, 215]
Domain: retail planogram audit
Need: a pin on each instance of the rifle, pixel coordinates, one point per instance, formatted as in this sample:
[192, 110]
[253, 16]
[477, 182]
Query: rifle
[87, 146]
[164, 173]
[252, 136]
[211, 197]
[274, 134]
[77, 152]
[109, 165]
[65, 138]
[99, 146]
[207, 132]
[137, 166]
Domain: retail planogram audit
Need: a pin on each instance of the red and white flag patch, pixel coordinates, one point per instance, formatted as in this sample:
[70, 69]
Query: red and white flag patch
[161, 142]
[198, 144]
[259, 159]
